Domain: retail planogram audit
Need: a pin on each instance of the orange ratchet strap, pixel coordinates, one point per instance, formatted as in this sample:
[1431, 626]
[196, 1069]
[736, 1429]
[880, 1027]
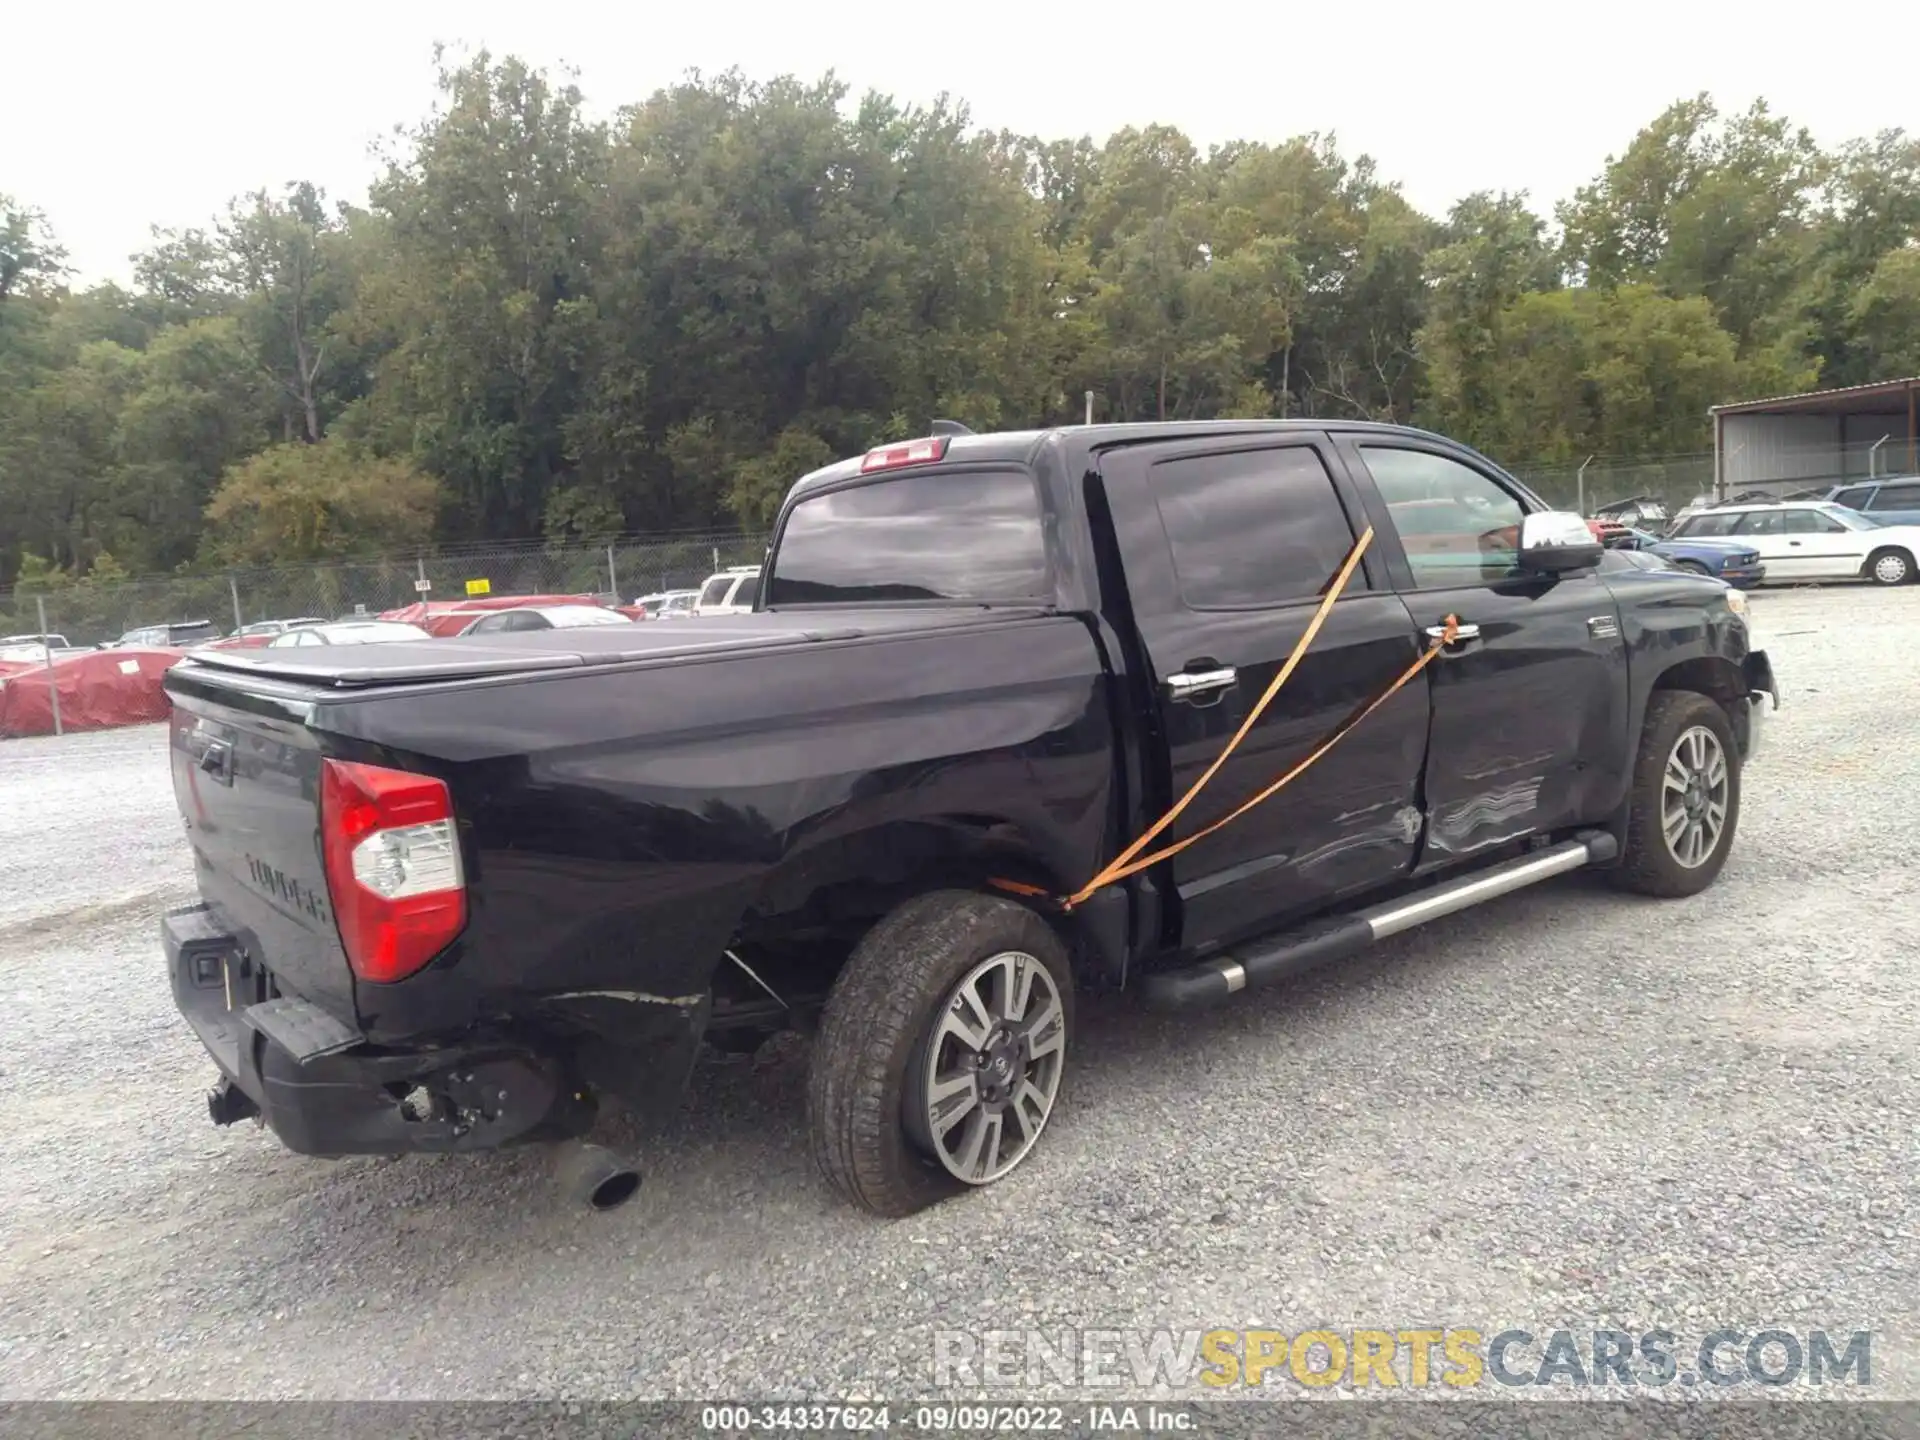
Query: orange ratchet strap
[1131, 862]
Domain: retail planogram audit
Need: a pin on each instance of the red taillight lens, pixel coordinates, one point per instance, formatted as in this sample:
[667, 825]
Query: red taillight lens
[393, 866]
[912, 452]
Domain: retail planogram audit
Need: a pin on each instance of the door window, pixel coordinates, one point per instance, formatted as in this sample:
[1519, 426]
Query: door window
[1896, 497]
[1251, 528]
[1457, 526]
[1758, 522]
[1810, 522]
[1711, 524]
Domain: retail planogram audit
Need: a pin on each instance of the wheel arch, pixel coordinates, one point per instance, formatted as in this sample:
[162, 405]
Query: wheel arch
[1711, 675]
[846, 883]
[1913, 560]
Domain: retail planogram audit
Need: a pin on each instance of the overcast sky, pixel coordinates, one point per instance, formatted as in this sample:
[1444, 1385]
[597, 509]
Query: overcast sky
[116, 117]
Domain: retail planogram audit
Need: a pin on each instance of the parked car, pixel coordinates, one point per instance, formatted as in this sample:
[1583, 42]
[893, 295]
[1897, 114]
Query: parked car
[348, 632]
[1618, 560]
[271, 628]
[175, 636]
[544, 617]
[1815, 540]
[1894, 500]
[1733, 561]
[1638, 510]
[455, 896]
[730, 592]
[57, 642]
[667, 604]
[260, 632]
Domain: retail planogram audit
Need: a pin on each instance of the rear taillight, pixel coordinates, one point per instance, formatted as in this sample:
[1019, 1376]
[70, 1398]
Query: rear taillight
[393, 866]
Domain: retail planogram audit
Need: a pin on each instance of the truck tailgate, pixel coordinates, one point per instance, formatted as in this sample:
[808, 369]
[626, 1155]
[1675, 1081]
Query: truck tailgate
[248, 790]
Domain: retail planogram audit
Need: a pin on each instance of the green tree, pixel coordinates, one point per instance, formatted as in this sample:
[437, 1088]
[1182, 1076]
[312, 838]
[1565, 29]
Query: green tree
[1886, 315]
[281, 261]
[31, 260]
[1701, 204]
[488, 226]
[320, 501]
[1493, 251]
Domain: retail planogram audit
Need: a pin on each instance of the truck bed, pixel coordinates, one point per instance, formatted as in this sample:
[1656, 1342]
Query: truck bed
[359, 667]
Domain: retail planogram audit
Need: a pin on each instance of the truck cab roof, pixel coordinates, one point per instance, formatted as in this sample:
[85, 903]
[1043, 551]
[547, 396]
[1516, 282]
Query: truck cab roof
[1018, 446]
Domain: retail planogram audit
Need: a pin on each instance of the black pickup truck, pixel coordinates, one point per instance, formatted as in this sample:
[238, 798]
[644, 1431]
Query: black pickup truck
[456, 893]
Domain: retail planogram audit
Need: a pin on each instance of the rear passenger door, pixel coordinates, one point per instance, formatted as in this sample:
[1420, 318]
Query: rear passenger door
[1228, 545]
[1530, 704]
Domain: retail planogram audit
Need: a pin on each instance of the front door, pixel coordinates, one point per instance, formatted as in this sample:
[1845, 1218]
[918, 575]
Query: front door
[1529, 705]
[1228, 545]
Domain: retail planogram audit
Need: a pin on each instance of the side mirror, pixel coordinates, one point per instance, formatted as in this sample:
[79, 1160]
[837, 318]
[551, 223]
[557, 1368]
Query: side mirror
[1553, 542]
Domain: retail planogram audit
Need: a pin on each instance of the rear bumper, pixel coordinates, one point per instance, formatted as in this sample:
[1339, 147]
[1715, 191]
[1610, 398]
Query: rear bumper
[323, 1090]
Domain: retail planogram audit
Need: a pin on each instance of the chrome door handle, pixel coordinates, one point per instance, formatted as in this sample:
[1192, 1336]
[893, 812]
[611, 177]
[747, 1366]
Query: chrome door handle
[1460, 632]
[1185, 684]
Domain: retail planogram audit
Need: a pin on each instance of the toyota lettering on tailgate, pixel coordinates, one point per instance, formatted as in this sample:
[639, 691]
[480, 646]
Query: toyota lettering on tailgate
[282, 886]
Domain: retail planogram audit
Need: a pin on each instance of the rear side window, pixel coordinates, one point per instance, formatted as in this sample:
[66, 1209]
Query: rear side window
[716, 590]
[748, 592]
[1856, 498]
[1251, 528]
[969, 535]
[1897, 497]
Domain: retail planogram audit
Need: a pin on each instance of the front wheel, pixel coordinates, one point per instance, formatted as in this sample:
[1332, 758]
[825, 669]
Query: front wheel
[941, 1051]
[1686, 797]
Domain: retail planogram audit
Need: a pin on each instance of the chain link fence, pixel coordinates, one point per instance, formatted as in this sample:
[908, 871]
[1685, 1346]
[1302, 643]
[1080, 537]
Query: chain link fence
[89, 612]
[1777, 472]
[1672, 480]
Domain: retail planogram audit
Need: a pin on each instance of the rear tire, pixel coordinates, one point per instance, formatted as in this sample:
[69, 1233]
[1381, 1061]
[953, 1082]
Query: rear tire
[892, 1063]
[1891, 566]
[1685, 804]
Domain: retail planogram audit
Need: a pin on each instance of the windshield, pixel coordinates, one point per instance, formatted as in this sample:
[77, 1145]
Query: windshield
[972, 536]
[1852, 519]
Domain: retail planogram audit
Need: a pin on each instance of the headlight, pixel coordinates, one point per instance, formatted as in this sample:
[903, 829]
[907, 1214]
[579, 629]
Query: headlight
[1736, 601]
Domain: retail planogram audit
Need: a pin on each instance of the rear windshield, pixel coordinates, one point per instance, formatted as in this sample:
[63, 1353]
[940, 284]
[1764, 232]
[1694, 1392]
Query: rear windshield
[971, 535]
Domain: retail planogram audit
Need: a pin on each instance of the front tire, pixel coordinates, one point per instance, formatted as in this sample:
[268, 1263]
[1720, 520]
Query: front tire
[941, 1051]
[1685, 804]
[1889, 567]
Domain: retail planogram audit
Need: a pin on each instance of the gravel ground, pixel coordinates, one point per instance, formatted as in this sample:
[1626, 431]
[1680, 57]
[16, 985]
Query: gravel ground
[1565, 1108]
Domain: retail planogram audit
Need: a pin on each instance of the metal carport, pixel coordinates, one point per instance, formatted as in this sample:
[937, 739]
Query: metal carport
[1820, 438]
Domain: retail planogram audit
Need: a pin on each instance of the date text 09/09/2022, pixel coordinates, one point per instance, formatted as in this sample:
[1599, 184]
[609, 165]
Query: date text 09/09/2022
[941, 1419]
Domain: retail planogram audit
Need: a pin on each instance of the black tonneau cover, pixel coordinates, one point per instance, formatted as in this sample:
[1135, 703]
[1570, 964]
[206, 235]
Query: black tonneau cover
[459, 657]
